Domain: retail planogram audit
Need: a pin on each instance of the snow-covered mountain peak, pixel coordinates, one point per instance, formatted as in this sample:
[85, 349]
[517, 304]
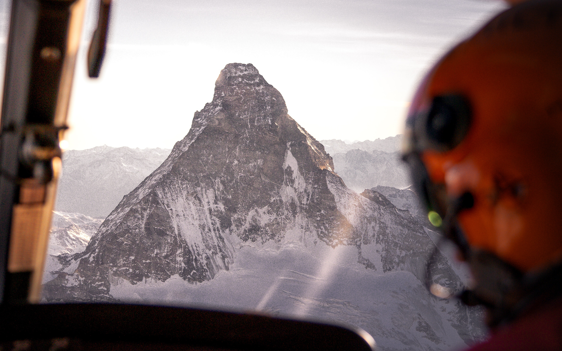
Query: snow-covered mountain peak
[246, 170]
[249, 190]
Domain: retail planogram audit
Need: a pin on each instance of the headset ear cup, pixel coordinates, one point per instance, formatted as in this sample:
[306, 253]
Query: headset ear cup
[447, 123]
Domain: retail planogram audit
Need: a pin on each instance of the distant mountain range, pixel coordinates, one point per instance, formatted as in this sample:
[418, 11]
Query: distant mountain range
[362, 169]
[95, 180]
[390, 145]
[247, 213]
[366, 164]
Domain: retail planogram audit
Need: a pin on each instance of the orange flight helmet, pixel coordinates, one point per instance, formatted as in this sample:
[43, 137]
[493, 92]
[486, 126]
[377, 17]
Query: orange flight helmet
[487, 122]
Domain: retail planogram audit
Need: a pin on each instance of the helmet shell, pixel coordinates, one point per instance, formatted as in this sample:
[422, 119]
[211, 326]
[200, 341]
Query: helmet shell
[510, 159]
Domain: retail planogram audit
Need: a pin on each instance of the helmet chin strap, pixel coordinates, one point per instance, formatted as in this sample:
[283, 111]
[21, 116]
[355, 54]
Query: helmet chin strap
[504, 290]
[498, 286]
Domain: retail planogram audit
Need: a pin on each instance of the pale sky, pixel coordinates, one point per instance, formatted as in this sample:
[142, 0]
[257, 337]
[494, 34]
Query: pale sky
[346, 68]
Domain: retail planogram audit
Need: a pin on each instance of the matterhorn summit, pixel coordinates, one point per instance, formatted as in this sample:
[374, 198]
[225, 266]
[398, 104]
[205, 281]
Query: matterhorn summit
[245, 172]
[244, 211]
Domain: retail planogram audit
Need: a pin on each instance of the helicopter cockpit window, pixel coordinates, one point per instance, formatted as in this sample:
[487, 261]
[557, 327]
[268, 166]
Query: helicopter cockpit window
[243, 156]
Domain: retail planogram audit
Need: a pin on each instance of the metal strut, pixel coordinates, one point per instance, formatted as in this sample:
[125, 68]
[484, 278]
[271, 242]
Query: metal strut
[42, 47]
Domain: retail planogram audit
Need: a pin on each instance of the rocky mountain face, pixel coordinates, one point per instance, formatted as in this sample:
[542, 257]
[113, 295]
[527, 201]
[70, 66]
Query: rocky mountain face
[95, 180]
[403, 199]
[247, 212]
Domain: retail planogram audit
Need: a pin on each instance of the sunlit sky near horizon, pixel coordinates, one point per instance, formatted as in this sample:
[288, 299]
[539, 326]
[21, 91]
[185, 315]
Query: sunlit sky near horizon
[346, 68]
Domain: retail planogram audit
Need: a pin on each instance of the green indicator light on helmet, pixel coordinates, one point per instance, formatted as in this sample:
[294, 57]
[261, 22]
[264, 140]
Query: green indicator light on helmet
[434, 218]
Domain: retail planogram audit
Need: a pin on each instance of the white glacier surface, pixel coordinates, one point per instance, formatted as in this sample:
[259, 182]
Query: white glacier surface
[316, 283]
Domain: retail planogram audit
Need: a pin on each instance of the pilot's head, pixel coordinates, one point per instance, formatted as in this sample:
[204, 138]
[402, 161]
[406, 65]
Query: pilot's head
[483, 139]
